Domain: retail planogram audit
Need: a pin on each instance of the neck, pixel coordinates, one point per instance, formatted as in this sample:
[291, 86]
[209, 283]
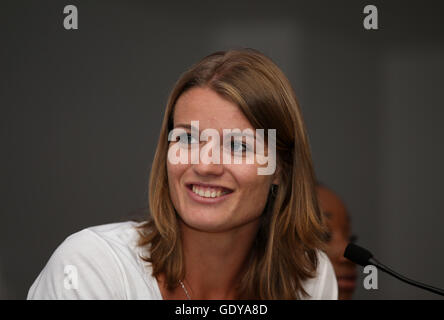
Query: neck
[215, 262]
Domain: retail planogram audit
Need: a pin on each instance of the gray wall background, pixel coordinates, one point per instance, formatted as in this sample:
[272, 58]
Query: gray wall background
[81, 112]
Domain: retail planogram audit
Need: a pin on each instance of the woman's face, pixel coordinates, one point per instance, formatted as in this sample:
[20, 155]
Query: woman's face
[215, 197]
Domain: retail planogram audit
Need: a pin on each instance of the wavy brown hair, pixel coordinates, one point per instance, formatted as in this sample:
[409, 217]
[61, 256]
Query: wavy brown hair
[284, 253]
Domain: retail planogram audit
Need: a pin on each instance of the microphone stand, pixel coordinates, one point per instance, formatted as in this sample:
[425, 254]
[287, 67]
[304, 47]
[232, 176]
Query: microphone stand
[386, 269]
[363, 257]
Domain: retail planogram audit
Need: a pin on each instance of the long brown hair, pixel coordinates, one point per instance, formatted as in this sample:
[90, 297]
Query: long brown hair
[284, 253]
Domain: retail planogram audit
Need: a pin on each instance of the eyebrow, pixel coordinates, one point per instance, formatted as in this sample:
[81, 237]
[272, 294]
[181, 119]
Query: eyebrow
[328, 214]
[241, 134]
[233, 134]
[184, 125]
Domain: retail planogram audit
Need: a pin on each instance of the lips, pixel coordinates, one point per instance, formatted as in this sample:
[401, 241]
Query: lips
[205, 190]
[347, 282]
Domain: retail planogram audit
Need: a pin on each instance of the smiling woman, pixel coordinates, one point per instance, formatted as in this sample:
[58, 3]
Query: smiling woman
[247, 241]
[217, 229]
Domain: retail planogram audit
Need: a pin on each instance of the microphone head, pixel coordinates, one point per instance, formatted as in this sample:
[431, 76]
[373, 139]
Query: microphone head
[358, 254]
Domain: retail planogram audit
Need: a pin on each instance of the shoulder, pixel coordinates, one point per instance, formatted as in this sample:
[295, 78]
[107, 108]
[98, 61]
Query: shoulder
[121, 233]
[98, 243]
[99, 262]
[324, 285]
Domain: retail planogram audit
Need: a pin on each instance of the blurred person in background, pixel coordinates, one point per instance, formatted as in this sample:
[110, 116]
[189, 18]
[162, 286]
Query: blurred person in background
[338, 236]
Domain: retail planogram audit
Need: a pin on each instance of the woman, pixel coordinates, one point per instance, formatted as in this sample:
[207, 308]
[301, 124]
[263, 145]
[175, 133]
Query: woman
[218, 229]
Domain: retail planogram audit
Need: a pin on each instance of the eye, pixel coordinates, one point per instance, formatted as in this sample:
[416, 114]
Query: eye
[353, 238]
[187, 138]
[238, 146]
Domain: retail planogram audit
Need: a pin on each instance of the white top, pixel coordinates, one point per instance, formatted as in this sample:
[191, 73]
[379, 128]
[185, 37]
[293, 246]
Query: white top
[103, 262]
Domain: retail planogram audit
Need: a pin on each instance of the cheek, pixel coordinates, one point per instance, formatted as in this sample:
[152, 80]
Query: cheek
[175, 172]
[255, 188]
[337, 245]
[248, 176]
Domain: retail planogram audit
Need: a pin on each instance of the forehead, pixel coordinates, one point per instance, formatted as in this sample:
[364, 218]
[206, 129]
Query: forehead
[210, 109]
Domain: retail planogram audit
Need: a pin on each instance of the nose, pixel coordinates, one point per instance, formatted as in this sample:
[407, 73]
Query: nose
[341, 246]
[211, 169]
[206, 166]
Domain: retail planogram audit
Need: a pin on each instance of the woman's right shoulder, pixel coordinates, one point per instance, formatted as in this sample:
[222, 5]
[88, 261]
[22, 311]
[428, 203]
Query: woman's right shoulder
[85, 265]
[98, 240]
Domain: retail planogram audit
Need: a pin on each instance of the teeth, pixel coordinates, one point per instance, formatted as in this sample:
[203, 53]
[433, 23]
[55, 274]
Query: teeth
[208, 192]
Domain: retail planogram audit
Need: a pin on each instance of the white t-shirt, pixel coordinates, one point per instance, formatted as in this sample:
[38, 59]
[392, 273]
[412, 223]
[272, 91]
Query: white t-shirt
[103, 262]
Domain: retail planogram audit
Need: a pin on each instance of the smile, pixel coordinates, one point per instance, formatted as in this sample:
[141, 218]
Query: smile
[208, 191]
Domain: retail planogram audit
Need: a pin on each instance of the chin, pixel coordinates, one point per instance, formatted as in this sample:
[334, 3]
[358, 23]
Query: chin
[345, 295]
[203, 224]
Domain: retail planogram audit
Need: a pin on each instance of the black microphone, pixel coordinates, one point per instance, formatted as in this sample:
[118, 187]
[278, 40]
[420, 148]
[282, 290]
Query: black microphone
[363, 257]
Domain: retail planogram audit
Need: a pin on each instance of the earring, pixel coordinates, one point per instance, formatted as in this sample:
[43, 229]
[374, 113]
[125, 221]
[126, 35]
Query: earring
[273, 190]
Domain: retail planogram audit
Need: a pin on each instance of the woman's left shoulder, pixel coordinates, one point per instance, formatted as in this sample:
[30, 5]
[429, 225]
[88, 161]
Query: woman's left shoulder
[324, 285]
